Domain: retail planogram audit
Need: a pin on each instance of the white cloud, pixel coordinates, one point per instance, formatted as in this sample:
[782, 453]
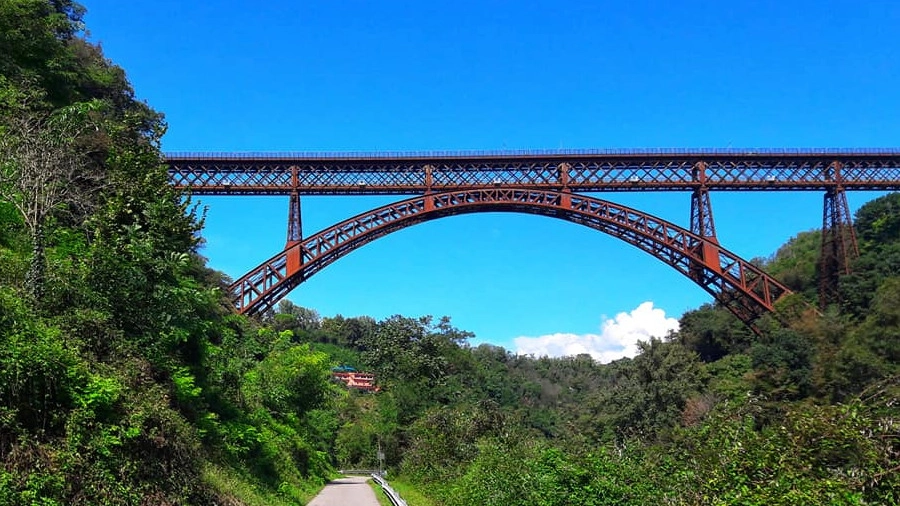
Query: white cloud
[617, 339]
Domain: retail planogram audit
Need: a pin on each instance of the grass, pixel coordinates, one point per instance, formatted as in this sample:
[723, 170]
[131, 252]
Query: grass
[379, 494]
[411, 494]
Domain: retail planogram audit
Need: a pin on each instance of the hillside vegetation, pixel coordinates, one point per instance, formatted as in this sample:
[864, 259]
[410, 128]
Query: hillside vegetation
[125, 377]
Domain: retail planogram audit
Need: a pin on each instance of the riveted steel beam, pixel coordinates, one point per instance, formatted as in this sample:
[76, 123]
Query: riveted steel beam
[575, 171]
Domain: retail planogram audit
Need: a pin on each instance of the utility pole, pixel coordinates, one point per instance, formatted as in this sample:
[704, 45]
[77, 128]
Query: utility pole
[380, 456]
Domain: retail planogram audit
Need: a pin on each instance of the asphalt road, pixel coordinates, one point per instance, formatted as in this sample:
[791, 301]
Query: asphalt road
[347, 491]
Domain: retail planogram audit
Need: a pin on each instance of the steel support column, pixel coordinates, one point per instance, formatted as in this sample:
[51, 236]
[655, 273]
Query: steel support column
[295, 221]
[702, 222]
[839, 247]
[703, 225]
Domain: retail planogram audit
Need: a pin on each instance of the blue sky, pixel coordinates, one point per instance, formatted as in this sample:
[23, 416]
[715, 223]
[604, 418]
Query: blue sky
[333, 76]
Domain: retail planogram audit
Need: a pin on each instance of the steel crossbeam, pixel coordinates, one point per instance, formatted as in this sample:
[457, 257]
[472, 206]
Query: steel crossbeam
[768, 170]
[739, 285]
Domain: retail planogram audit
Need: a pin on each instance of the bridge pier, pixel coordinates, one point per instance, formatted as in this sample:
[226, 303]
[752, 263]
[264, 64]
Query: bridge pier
[703, 225]
[702, 222]
[295, 221]
[839, 246]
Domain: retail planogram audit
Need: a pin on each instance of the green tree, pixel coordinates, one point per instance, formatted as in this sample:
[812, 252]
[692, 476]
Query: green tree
[795, 263]
[409, 348]
[657, 387]
[47, 165]
[783, 365]
[878, 221]
[298, 320]
[289, 381]
[878, 229]
[713, 332]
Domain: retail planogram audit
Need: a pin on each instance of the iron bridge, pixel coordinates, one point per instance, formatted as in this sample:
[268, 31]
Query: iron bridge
[548, 183]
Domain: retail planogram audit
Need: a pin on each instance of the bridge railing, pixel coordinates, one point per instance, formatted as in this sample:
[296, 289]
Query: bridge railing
[324, 155]
[392, 494]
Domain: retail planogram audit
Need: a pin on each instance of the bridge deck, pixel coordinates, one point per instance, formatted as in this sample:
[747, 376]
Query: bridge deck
[576, 171]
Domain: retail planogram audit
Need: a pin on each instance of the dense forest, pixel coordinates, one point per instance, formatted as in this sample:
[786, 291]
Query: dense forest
[125, 377]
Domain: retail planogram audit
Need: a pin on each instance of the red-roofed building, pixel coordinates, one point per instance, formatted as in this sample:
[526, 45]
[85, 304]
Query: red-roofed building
[363, 381]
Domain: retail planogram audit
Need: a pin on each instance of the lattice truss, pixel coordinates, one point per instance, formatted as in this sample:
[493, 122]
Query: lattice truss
[839, 246]
[740, 286]
[221, 174]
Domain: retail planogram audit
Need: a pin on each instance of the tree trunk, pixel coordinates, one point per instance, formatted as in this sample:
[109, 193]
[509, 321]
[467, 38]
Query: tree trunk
[34, 279]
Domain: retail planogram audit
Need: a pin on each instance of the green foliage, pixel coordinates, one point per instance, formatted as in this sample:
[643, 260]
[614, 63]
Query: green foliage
[783, 365]
[355, 446]
[231, 487]
[795, 263]
[289, 381]
[599, 478]
[812, 455]
[407, 348]
[78, 427]
[349, 332]
[298, 320]
[338, 355]
[132, 383]
[730, 377]
[654, 389]
[878, 230]
[713, 332]
[517, 473]
[871, 352]
[872, 267]
[38, 372]
[184, 383]
[99, 394]
[804, 414]
[496, 477]
[33, 45]
[878, 222]
[444, 440]
[131, 373]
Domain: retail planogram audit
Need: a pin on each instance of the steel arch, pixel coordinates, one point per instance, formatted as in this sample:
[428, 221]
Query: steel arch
[743, 288]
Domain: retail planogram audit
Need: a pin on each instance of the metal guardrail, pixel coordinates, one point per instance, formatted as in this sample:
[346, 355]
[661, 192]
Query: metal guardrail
[392, 494]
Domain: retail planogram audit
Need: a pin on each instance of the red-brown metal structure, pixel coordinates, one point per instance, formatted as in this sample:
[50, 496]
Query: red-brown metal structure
[295, 223]
[545, 183]
[737, 284]
[839, 246]
[576, 171]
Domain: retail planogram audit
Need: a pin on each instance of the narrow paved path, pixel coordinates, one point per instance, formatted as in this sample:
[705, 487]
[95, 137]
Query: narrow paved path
[347, 491]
